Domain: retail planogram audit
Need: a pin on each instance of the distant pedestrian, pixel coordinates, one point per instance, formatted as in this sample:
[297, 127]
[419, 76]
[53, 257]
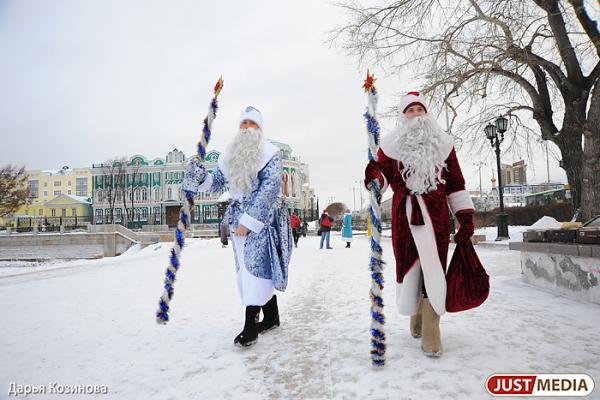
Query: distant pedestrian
[296, 227]
[326, 222]
[304, 228]
[347, 228]
[223, 233]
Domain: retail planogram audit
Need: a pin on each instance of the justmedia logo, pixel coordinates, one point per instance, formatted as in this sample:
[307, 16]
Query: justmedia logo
[539, 385]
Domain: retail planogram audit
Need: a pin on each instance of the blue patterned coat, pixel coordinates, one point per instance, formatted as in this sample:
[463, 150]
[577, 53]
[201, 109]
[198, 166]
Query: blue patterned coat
[268, 247]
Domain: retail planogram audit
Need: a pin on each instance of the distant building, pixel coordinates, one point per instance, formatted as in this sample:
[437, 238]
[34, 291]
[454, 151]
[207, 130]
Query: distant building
[483, 201]
[72, 185]
[514, 174]
[143, 191]
[153, 189]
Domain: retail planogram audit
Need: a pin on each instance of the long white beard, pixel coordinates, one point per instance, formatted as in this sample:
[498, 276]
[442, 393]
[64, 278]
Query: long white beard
[423, 147]
[244, 154]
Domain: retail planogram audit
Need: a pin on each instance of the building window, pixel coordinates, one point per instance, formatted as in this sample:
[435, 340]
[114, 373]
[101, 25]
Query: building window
[53, 213]
[57, 183]
[119, 197]
[137, 195]
[45, 184]
[69, 192]
[144, 214]
[156, 194]
[57, 192]
[34, 188]
[169, 194]
[99, 216]
[81, 185]
[99, 196]
[45, 193]
[69, 183]
[63, 212]
[211, 212]
[144, 194]
[40, 212]
[73, 212]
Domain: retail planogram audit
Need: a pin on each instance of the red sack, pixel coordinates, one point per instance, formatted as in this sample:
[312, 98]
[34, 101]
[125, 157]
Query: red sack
[467, 282]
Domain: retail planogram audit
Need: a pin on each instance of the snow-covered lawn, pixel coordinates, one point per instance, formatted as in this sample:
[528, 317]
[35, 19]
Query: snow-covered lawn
[92, 323]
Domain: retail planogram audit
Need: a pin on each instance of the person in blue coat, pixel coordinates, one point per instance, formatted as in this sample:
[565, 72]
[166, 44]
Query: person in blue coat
[251, 170]
[347, 228]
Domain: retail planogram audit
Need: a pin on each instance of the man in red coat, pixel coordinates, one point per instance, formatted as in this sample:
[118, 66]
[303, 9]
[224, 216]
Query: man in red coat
[419, 162]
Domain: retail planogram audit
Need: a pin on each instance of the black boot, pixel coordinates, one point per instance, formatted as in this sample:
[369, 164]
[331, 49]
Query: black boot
[271, 316]
[250, 333]
[347, 245]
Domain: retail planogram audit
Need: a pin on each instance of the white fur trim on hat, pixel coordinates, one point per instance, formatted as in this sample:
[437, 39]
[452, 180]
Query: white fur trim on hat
[411, 98]
[252, 114]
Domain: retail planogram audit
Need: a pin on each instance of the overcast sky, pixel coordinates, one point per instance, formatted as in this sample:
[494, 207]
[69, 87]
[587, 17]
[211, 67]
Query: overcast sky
[85, 81]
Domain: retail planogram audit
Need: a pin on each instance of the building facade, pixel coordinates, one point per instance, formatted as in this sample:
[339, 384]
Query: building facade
[515, 173]
[139, 191]
[45, 186]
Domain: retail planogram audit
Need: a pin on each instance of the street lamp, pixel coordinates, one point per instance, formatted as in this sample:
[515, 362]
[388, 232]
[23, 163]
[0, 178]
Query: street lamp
[491, 132]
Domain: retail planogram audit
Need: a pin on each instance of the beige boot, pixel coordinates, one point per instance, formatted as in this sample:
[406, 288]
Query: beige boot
[431, 343]
[416, 322]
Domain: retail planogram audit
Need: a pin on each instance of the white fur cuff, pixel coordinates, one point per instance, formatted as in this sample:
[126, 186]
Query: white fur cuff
[459, 201]
[251, 223]
[385, 184]
[208, 181]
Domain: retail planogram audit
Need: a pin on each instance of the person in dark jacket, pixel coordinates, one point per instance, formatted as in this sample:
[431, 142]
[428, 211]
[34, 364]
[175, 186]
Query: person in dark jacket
[223, 233]
[304, 228]
[326, 222]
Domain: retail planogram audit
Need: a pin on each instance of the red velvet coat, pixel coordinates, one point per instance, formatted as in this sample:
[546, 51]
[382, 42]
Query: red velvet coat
[437, 208]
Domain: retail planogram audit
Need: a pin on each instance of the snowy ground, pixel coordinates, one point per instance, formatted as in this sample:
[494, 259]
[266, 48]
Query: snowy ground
[92, 323]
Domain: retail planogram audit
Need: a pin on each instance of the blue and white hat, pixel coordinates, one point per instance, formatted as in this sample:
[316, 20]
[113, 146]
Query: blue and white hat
[252, 114]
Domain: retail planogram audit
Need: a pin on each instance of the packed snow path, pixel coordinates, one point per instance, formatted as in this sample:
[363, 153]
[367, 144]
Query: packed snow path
[92, 323]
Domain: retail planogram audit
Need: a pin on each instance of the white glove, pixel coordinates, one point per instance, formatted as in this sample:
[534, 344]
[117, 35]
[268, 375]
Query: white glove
[194, 176]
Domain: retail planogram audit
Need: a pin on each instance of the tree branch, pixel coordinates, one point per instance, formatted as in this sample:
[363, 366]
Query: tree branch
[589, 26]
[563, 43]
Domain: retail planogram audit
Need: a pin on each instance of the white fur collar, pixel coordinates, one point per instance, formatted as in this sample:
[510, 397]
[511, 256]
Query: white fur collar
[387, 145]
[268, 151]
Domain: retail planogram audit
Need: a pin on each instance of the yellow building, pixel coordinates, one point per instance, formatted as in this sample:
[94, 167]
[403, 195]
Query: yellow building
[62, 193]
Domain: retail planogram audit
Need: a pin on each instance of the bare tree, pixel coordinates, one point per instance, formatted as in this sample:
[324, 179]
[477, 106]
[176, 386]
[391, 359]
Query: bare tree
[129, 171]
[13, 189]
[109, 169]
[533, 60]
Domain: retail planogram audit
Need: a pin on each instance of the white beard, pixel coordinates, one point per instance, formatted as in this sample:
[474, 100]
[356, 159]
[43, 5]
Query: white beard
[423, 147]
[244, 155]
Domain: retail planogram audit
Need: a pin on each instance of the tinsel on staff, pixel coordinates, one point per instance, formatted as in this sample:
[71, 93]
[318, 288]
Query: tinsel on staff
[376, 263]
[162, 315]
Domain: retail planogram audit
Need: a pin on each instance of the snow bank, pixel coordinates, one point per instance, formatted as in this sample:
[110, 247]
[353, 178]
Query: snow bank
[546, 223]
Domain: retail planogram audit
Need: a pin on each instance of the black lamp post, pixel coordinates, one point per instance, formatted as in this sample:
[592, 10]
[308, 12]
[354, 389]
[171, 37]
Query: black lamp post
[491, 132]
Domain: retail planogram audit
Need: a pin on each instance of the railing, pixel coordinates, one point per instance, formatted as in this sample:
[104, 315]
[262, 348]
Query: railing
[51, 224]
